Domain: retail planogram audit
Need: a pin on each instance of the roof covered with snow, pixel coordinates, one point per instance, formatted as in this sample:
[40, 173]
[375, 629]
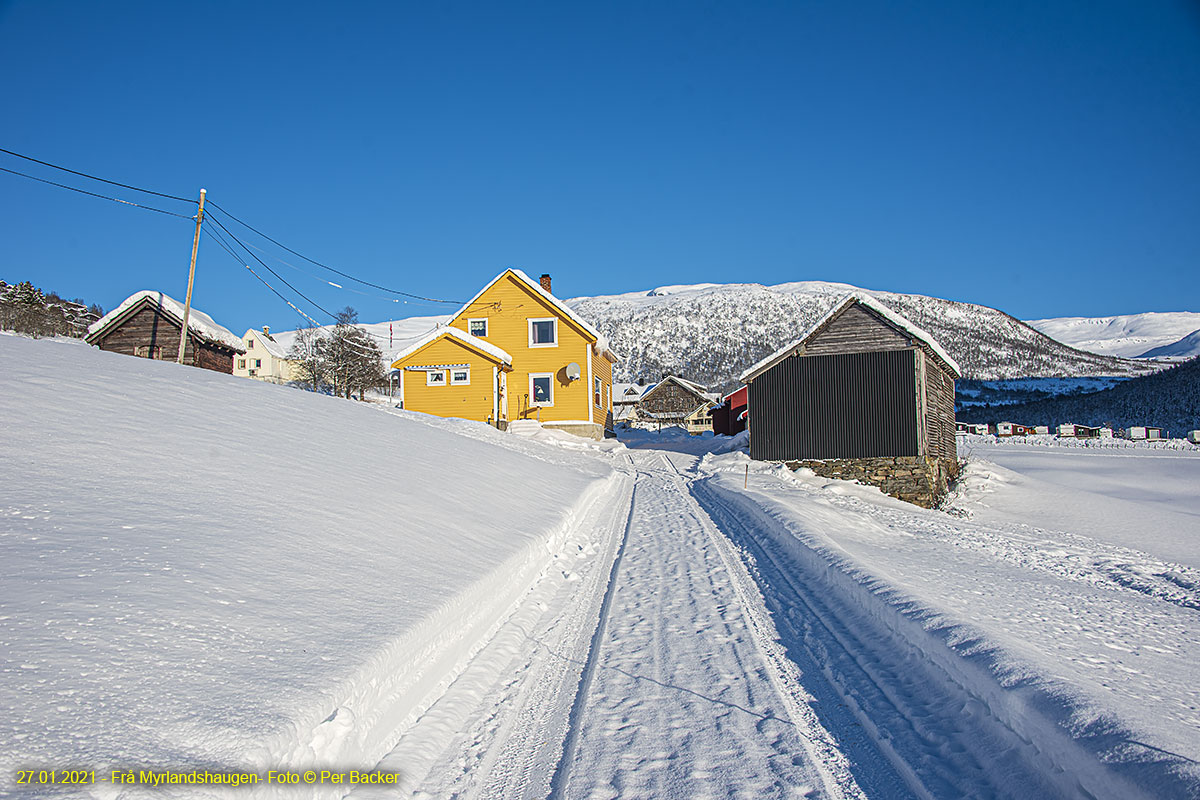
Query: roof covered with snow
[865, 300]
[601, 345]
[198, 322]
[629, 392]
[462, 337]
[267, 342]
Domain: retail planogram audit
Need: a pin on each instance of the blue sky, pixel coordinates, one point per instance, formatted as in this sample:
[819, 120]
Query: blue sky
[1041, 158]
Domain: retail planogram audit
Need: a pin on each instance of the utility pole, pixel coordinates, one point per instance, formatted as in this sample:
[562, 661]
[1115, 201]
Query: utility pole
[187, 303]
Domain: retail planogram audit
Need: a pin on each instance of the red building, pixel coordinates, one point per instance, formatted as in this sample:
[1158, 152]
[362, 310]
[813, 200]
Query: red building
[730, 417]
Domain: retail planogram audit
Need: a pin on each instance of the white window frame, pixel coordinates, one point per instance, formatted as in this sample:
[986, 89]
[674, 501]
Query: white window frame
[465, 381]
[543, 319]
[549, 376]
[598, 391]
[429, 381]
[472, 320]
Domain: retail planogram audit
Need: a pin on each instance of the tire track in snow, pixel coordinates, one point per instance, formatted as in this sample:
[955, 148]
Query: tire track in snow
[684, 701]
[558, 780]
[945, 738]
[783, 672]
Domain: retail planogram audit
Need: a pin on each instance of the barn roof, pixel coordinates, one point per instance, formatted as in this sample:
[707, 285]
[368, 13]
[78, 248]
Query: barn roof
[199, 323]
[865, 300]
[694, 388]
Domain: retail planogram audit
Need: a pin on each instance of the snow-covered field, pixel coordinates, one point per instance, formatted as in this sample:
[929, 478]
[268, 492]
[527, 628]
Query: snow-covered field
[207, 572]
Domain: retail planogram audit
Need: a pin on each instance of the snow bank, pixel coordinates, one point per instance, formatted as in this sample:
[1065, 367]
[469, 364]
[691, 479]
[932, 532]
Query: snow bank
[1076, 642]
[201, 571]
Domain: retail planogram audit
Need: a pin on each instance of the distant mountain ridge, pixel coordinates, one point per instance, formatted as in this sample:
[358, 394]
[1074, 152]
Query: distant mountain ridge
[710, 332]
[1153, 334]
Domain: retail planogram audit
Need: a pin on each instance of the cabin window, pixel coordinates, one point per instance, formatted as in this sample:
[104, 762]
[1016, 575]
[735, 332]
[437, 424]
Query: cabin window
[543, 332]
[435, 377]
[241, 362]
[147, 351]
[249, 344]
[460, 377]
[477, 327]
[598, 391]
[258, 363]
[541, 389]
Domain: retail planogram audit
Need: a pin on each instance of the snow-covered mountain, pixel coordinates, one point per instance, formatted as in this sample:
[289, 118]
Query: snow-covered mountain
[710, 332]
[1128, 335]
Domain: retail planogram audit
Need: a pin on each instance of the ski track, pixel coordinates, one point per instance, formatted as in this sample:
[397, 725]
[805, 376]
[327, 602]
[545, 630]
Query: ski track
[683, 703]
[698, 648]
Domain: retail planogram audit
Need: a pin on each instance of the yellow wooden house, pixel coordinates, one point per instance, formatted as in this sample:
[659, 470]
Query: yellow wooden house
[514, 351]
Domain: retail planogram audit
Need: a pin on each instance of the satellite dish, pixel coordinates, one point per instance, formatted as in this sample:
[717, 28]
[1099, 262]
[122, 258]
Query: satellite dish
[573, 371]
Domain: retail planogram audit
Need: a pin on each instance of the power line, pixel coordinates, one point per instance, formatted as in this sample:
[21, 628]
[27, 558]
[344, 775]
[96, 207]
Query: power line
[333, 269]
[267, 267]
[95, 178]
[93, 194]
[220, 240]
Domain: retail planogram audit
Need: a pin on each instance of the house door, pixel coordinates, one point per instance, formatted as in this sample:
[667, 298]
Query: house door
[503, 394]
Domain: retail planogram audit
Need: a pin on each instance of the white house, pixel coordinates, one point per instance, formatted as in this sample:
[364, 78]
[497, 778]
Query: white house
[265, 359]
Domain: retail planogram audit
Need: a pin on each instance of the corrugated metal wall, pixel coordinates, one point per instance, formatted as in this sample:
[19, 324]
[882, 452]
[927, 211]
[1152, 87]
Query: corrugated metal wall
[853, 405]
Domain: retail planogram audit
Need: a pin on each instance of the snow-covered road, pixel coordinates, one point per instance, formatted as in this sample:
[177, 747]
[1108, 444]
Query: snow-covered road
[691, 696]
[707, 646]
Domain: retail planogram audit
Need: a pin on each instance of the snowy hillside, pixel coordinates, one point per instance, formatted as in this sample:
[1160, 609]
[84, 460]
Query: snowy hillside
[1128, 335]
[1169, 400]
[710, 332]
[211, 571]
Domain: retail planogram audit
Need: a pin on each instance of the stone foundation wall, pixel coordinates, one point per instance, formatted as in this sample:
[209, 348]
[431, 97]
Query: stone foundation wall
[918, 480]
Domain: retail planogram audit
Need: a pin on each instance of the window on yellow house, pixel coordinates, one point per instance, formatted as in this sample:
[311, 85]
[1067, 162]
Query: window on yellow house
[541, 389]
[543, 332]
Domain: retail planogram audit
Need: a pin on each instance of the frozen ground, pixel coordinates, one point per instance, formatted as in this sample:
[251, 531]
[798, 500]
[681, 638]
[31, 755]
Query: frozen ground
[325, 583]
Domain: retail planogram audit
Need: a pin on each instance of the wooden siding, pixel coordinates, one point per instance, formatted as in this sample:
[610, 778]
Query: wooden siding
[149, 327]
[602, 369]
[940, 424]
[856, 330]
[468, 402]
[852, 405]
[669, 399]
[508, 305]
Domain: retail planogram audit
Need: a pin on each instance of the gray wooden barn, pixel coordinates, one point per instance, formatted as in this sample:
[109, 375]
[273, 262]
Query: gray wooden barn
[147, 324]
[863, 393]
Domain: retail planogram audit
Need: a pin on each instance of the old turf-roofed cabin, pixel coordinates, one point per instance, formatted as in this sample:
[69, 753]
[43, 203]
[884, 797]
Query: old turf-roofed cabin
[559, 367]
[864, 394]
[147, 324]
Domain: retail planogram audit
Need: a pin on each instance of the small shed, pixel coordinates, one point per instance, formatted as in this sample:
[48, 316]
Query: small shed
[147, 324]
[866, 394]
